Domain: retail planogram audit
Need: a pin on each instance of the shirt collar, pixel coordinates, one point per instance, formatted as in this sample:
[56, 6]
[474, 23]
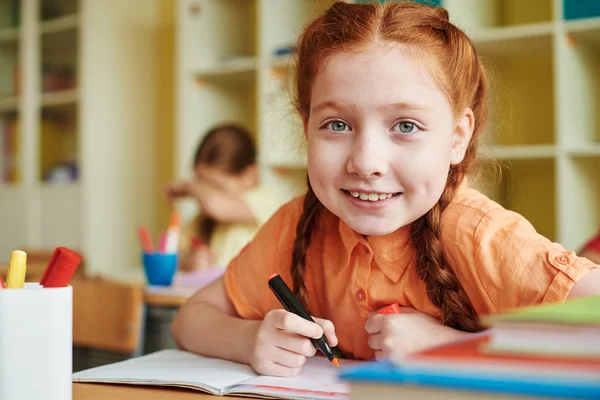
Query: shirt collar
[392, 252]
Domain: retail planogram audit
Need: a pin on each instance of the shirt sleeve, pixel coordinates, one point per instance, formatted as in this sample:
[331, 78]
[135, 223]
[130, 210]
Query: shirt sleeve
[270, 252]
[503, 263]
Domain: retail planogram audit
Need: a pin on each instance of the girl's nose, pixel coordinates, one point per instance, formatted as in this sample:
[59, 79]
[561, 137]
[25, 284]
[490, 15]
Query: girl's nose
[369, 155]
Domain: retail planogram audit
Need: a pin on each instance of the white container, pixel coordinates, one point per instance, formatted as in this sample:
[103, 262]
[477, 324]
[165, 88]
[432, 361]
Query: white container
[36, 353]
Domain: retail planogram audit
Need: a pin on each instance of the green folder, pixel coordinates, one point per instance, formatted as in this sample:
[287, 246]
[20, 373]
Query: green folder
[578, 311]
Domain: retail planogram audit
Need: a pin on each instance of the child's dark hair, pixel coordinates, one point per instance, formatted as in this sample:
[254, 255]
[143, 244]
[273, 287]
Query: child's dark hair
[451, 59]
[229, 147]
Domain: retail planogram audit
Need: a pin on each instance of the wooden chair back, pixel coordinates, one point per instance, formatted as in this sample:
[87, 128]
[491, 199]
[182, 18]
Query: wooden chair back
[107, 315]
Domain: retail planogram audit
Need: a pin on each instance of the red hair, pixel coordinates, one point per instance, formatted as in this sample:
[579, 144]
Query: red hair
[451, 59]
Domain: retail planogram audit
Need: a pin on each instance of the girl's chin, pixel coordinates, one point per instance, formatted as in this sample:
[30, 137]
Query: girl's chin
[372, 226]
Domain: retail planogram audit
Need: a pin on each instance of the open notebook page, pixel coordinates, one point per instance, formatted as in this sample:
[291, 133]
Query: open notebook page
[318, 379]
[171, 368]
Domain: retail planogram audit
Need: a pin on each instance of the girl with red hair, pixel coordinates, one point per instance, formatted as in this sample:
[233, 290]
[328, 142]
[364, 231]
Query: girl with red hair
[393, 101]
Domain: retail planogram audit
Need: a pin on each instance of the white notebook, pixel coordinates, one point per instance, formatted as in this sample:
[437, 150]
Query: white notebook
[318, 379]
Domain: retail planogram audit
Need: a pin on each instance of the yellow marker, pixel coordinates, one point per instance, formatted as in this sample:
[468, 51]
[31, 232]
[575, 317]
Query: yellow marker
[16, 270]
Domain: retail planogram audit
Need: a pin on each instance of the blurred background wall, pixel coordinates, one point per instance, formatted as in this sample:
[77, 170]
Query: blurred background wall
[103, 102]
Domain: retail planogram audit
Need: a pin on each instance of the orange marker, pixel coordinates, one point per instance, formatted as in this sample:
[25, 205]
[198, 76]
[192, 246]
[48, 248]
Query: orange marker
[172, 234]
[2, 286]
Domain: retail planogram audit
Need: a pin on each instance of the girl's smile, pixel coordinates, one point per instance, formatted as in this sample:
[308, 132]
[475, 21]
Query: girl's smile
[370, 200]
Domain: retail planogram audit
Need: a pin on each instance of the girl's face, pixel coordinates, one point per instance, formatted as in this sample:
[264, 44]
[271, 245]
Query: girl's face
[381, 138]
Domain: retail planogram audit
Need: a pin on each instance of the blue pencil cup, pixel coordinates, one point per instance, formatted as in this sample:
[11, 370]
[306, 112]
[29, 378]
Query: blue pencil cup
[160, 268]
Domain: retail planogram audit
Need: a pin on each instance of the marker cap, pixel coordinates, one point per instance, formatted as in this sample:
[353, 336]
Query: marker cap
[16, 270]
[61, 268]
[391, 309]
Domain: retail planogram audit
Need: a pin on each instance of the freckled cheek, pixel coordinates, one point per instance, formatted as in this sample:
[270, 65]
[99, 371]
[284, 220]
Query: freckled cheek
[326, 159]
[319, 172]
[424, 173]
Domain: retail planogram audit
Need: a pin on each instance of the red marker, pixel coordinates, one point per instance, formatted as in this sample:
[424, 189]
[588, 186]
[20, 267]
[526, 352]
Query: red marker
[2, 285]
[61, 268]
[145, 240]
[391, 309]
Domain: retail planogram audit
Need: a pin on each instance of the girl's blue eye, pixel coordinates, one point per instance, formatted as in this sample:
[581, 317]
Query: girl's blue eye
[337, 126]
[407, 127]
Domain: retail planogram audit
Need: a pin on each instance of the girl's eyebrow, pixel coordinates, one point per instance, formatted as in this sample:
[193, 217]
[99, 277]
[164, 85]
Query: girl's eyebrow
[329, 104]
[402, 106]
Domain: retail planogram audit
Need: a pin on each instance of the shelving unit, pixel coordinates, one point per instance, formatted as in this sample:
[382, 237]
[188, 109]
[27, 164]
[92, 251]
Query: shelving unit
[543, 60]
[519, 184]
[78, 127]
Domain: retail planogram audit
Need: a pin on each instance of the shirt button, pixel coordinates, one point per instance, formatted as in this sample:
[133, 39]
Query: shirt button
[562, 259]
[361, 295]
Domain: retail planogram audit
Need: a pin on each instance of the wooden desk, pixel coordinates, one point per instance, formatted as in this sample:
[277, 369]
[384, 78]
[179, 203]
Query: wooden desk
[183, 287]
[98, 391]
[171, 297]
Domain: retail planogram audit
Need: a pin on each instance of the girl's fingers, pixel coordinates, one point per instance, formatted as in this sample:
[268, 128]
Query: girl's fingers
[375, 341]
[273, 369]
[328, 330]
[290, 322]
[287, 358]
[297, 344]
[373, 324]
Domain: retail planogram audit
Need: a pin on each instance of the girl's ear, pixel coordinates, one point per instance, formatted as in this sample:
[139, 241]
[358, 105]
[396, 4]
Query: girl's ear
[461, 136]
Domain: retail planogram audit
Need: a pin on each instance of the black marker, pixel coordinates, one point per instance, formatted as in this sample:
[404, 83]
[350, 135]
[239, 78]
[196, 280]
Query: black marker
[291, 304]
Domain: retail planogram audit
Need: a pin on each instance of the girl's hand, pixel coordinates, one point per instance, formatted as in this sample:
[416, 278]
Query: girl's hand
[229, 183]
[189, 188]
[394, 335]
[178, 189]
[196, 259]
[282, 342]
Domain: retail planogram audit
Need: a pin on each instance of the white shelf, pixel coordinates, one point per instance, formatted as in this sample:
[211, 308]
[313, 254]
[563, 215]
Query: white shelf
[527, 152]
[58, 186]
[60, 24]
[583, 25]
[60, 98]
[589, 150]
[9, 104]
[238, 67]
[9, 34]
[586, 30]
[512, 40]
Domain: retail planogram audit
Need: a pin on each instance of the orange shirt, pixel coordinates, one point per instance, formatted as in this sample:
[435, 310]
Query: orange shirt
[497, 255]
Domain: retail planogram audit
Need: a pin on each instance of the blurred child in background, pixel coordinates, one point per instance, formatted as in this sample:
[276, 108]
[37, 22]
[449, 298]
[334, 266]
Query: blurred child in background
[233, 204]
